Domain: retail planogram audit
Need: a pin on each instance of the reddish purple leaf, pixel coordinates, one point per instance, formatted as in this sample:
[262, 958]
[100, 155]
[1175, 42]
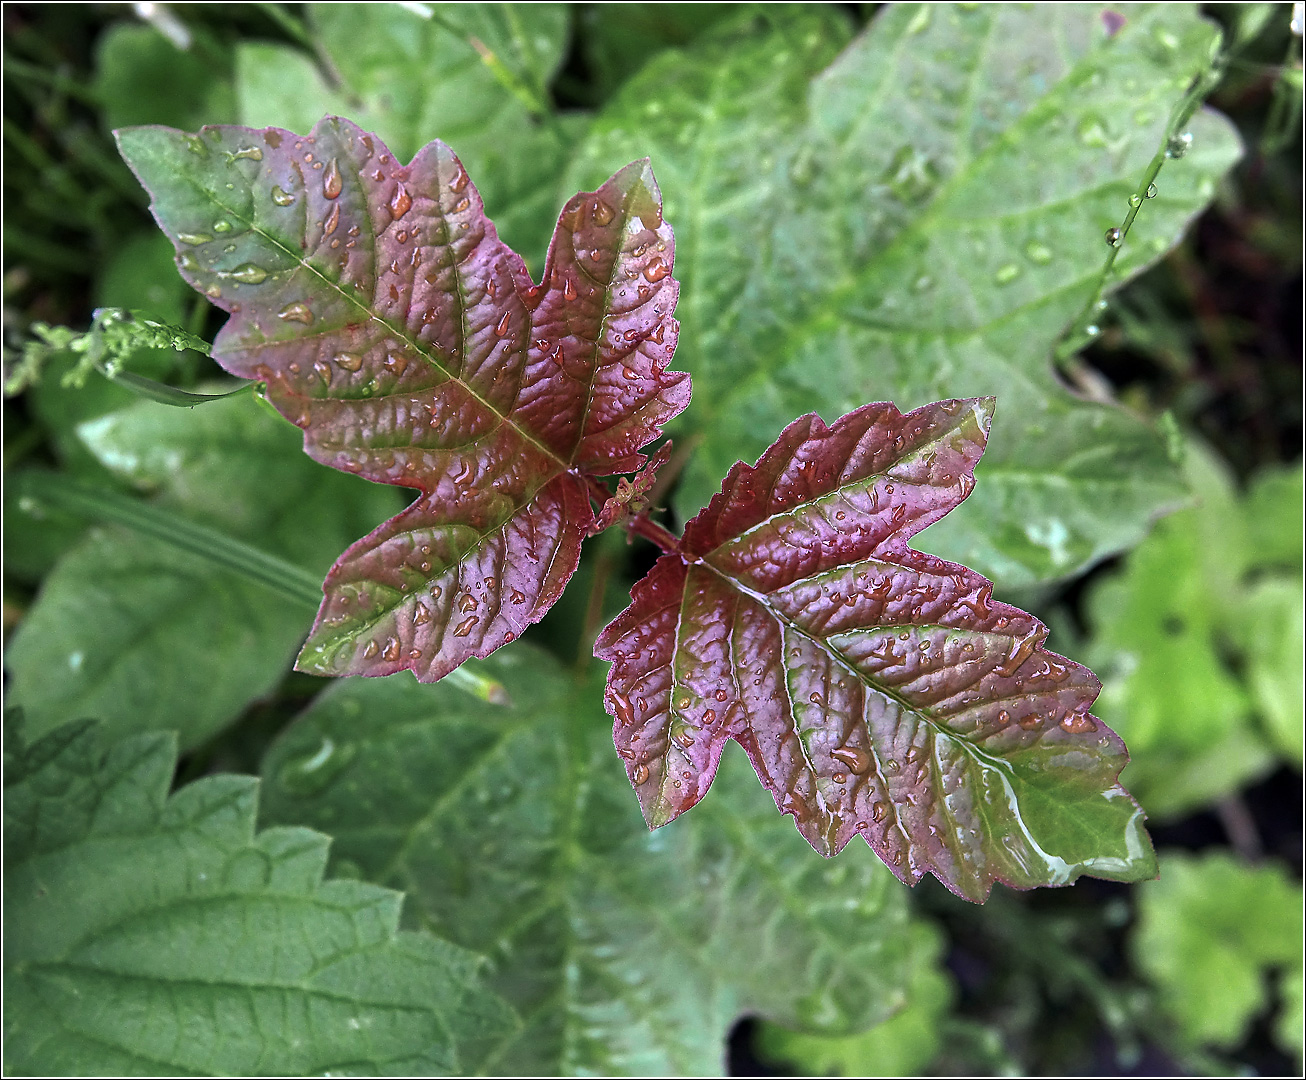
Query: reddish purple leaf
[377, 304]
[878, 691]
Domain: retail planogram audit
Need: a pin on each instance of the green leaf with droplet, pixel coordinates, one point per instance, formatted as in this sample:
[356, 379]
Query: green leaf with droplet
[1208, 929]
[920, 217]
[513, 831]
[411, 78]
[148, 934]
[146, 637]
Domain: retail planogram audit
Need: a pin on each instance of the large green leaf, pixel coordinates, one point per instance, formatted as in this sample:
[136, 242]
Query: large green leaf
[514, 833]
[464, 75]
[1207, 930]
[145, 637]
[156, 935]
[921, 219]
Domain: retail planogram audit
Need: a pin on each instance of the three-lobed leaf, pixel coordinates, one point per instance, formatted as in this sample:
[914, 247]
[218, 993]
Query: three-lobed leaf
[877, 690]
[376, 304]
[155, 934]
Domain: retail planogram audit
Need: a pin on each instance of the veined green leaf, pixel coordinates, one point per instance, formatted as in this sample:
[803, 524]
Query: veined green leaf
[514, 833]
[148, 934]
[917, 219]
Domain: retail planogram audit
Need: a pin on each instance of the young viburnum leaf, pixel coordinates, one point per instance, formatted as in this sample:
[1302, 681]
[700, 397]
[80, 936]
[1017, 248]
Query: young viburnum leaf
[157, 935]
[878, 691]
[384, 316]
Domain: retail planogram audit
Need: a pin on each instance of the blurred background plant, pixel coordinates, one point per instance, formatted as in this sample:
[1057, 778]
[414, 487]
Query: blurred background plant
[1197, 632]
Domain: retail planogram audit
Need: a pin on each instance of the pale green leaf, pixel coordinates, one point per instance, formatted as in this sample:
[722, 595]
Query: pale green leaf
[1208, 929]
[921, 219]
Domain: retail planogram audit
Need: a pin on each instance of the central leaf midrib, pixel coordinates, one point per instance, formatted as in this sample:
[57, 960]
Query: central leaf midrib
[402, 334]
[892, 695]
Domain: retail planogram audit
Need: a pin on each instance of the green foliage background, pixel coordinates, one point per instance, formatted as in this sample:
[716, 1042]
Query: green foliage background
[901, 204]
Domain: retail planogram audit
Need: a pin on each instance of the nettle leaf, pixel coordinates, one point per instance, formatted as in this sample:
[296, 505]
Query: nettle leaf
[148, 934]
[878, 691]
[626, 952]
[384, 316]
[919, 217]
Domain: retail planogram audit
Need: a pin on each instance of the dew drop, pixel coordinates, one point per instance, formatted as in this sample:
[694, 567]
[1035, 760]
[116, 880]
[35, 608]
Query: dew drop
[371, 650]
[656, 270]
[459, 181]
[1113, 236]
[222, 226]
[1038, 253]
[621, 705]
[502, 328]
[282, 197]
[421, 615]
[1179, 145]
[600, 213]
[1007, 274]
[517, 597]
[1151, 191]
[709, 716]
[296, 312]
[568, 290]
[400, 202]
[639, 775]
[1135, 199]
[465, 627]
[720, 695]
[331, 182]
[253, 153]
[467, 603]
[348, 361]
[857, 759]
[194, 239]
[249, 274]
[396, 363]
[324, 370]
[878, 811]
[1078, 723]
[815, 698]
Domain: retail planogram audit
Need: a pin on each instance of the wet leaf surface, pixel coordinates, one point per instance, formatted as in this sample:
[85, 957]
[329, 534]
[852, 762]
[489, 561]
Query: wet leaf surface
[377, 305]
[877, 690]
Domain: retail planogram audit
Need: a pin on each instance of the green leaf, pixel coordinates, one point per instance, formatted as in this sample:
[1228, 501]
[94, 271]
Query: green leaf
[411, 78]
[142, 635]
[1189, 652]
[1274, 640]
[143, 78]
[149, 934]
[1207, 930]
[617, 39]
[1274, 505]
[903, 1045]
[918, 220]
[514, 833]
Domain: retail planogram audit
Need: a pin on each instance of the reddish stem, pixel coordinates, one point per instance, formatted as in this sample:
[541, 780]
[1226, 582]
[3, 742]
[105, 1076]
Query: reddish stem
[657, 534]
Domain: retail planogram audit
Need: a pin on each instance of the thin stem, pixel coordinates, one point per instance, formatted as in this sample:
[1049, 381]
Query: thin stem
[604, 564]
[651, 531]
[1201, 85]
